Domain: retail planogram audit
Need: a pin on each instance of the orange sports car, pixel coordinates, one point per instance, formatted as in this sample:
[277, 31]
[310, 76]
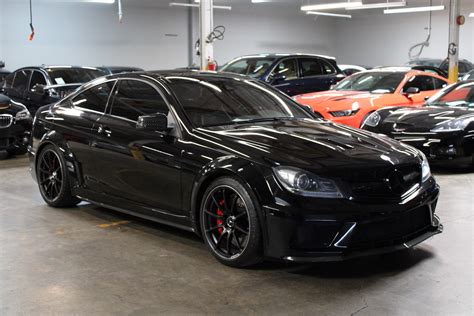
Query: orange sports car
[356, 97]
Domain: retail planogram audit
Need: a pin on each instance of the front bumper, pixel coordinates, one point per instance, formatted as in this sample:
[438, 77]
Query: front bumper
[351, 230]
[15, 136]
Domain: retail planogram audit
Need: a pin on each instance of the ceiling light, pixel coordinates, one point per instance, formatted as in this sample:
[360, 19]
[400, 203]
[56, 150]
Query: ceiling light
[471, 15]
[192, 5]
[330, 6]
[414, 9]
[380, 5]
[347, 16]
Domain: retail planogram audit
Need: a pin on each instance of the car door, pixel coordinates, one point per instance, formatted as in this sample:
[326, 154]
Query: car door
[35, 94]
[141, 166]
[19, 85]
[285, 76]
[313, 75]
[80, 113]
[425, 84]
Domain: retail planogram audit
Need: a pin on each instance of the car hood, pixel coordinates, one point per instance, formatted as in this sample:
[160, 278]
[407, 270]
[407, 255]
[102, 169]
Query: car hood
[7, 106]
[312, 144]
[425, 118]
[337, 100]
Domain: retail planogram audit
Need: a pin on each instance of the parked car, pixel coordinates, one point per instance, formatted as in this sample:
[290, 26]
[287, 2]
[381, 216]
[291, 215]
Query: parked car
[15, 126]
[357, 96]
[236, 161]
[464, 66]
[111, 70]
[469, 75]
[349, 70]
[433, 62]
[291, 73]
[443, 128]
[3, 72]
[36, 86]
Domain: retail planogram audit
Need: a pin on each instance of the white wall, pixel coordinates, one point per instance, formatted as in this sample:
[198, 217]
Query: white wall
[377, 39]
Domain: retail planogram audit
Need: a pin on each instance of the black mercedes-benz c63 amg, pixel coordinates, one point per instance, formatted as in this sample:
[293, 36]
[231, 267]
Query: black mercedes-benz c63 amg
[235, 161]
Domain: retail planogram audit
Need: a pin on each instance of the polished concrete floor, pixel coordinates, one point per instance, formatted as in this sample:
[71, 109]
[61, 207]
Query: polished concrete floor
[93, 261]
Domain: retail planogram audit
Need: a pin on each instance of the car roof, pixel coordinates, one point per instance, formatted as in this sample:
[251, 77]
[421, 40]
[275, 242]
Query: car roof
[44, 67]
[118, 67]
[282, 55]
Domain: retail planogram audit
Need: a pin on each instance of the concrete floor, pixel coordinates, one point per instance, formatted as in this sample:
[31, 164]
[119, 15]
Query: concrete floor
[93, 261]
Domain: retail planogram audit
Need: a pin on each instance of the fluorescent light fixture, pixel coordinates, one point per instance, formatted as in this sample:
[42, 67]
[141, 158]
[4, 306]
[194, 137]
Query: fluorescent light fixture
[414, 9]
[193, 5]
[380, 5]
[471, 15]
[347, 16]
[331, 6]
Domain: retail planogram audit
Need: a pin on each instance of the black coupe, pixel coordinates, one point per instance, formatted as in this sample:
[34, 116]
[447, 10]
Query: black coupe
[443, 128]
[15, 126]
[235, 161]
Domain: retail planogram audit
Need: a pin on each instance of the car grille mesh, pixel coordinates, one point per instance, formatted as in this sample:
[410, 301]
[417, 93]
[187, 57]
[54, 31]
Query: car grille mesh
[6, 120]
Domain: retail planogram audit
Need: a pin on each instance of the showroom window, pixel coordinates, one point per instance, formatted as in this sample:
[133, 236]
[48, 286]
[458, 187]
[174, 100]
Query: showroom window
[310, 67]
[95, 98]
[136, 98]
[21, 79]
[424, 83]
[288, 68]
[37, 78]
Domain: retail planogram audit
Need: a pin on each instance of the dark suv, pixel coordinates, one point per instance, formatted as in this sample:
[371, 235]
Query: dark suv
[291, 73]
[37, 86]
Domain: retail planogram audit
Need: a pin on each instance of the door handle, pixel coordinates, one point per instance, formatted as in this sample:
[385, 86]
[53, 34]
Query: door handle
[104, 130]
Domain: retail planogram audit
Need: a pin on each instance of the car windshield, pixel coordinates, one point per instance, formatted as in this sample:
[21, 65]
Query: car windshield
[73, 75]
[425, 62]
[375, 82]
[217, 101]
[457, 95]
[253, 67]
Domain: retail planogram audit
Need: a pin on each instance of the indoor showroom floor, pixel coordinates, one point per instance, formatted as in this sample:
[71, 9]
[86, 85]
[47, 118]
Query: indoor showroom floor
[93, 261]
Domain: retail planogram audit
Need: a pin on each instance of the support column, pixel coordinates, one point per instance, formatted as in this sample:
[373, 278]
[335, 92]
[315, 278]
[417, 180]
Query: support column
[453, 49]
[206, 25]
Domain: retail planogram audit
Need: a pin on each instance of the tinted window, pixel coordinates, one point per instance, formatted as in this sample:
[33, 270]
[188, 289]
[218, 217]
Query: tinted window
[213, 102]
[253, 67]
[288, 68]
[136, 98]
[424, 83]
[37, 78]
[380, 82]
[73, 75]
[95, 98]
[21, 79]
[9, 80]
[327, 68]
[439, 84]
[310, 67]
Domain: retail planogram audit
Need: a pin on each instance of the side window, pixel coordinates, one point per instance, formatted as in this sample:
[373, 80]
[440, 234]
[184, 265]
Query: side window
[95, 98]
[328, 69]
[37, 78]
[424, 83]
[439, 84]
[310, 67]
[288, 68]
[136, 98]
[463, 67]
[21, 79]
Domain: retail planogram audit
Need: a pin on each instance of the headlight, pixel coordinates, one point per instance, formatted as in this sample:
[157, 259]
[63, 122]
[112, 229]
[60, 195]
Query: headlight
[22, 115]
[425, 168]
[453, 125]
[344, 113]
[372, 120]
[304, 183]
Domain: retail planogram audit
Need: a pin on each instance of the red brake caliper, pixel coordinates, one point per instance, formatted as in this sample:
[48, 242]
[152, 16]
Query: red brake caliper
[220, 221]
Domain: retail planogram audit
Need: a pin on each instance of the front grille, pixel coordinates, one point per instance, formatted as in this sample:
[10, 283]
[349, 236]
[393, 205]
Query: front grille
[384, 182]
[6, 120]
[386, 231]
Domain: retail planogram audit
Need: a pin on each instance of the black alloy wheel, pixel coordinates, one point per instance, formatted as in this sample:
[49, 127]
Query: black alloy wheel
[53, 179]
[229, 223]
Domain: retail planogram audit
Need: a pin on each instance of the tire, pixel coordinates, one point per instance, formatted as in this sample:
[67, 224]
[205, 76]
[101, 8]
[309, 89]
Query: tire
[229, 216]
[17, 151]
[53, 179]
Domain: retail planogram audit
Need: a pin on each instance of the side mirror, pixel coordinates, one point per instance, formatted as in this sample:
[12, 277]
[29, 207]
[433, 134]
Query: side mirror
[277, 77]
[411, 90]
[39, 89]
[154, 122]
